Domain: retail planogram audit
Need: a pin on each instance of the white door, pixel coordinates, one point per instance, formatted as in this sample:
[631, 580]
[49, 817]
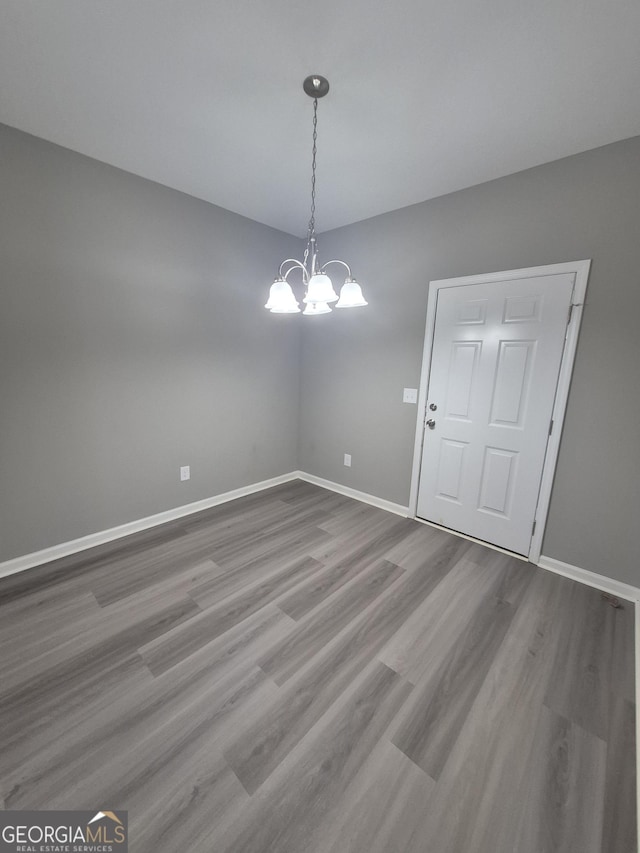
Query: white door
[495, 361]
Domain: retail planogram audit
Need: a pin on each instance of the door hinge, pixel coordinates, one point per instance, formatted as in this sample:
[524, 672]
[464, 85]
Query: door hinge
[533, 529]
[570, 313]
[551, 427]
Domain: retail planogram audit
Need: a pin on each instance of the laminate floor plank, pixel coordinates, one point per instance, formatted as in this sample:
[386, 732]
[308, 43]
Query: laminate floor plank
[285, 546]
[340, 570]
[113, 635]
[289, 536]
[473, 803]
[298, 671]
[374, 625]
[622, 658]
[54, 719]
[358, 518]
[619, 830]
[211, 591]
[185, 639]
[55, 616]
[246, 514]
[75, 567]
[440, 708]
[245, 641]
[179, 573]
[147, 756]
[330, 502]
[335, 615]
[333, 547]
[181, 813]
[285, 817]
[415, 550]
[516, 575]
[235, 540]
[153, 719]
[382, 807]
[581, 682]
[565, 759]
[67, 619]
[113, 579]
[418, 648]
[260, 748]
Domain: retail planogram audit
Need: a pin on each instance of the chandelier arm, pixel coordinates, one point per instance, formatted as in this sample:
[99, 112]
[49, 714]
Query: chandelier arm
[294, 265]
[336, 261]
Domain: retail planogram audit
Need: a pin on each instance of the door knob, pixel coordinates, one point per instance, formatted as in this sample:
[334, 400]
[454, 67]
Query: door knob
[431, 423]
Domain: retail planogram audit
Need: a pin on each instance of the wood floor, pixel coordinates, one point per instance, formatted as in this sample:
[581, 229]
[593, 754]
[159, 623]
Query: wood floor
[296, 671]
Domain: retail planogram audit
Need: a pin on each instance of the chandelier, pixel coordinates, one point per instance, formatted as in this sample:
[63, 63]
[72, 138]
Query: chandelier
[318, 288]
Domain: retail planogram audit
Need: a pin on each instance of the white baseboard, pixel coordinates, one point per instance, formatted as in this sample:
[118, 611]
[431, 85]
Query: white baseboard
[637, 662]
[613, 587]
[37, 558]
[364, 497]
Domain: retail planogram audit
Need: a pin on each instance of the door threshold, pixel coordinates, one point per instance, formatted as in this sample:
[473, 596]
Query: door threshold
[473, 539]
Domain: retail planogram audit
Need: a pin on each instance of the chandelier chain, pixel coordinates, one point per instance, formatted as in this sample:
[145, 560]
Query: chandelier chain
[312, 220]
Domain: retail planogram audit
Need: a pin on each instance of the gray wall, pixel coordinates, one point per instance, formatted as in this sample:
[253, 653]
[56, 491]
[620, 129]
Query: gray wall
[132, 341]
[355, 364]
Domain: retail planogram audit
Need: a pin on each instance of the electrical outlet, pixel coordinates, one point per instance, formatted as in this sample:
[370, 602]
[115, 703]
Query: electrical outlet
[410, 395]
[185, 472]
[347, 460]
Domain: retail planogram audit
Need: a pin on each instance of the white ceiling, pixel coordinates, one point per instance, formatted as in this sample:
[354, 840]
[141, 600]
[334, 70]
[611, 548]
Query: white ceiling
[426, 97]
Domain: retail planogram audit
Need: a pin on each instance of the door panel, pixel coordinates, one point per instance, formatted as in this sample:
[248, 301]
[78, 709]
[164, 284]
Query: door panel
[464, 361]
[496, 485]
[512, 383]
[496, 355]
[450, 470]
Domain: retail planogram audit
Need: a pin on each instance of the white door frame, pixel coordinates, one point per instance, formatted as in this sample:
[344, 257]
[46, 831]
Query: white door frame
[581, 271]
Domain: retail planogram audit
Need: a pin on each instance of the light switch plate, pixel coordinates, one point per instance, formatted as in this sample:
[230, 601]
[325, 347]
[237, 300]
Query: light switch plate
[185, 472]
[410, 395]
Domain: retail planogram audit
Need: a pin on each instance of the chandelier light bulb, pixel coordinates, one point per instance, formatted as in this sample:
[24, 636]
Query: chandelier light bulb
[351, 295]
[281, 299]
[320, 289]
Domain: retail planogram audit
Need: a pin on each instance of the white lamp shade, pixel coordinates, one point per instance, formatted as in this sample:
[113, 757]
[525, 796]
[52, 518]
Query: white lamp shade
[320, 289]
[351, 295]
[281, 299]
[314, 308]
